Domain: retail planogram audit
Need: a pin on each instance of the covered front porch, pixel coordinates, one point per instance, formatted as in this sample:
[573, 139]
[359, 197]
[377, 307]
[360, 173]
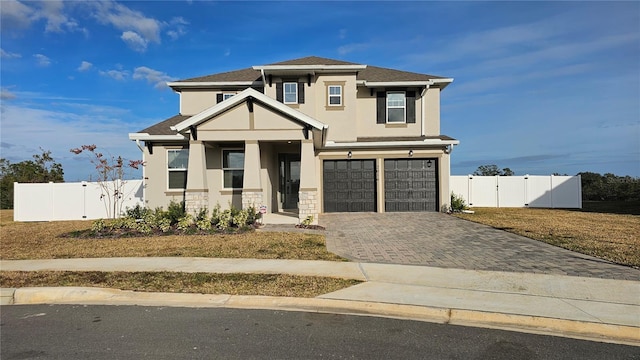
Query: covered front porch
[277, 175]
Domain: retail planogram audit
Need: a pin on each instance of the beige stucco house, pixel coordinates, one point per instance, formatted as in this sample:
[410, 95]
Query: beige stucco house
[310, 135]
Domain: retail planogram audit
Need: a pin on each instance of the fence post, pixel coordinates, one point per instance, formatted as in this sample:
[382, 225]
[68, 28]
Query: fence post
[469, 179]
[526, 190]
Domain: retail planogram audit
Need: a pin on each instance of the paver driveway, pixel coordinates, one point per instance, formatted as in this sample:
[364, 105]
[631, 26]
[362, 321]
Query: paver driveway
[440, 240]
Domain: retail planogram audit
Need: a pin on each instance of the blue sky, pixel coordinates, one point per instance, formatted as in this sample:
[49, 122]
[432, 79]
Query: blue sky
[540, 87]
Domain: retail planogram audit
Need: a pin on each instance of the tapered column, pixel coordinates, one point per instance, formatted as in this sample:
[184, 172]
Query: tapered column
[251, 186]
[308, 197]
[197, 193]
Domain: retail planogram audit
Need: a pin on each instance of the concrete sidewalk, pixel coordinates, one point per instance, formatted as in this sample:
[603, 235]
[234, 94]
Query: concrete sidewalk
[592, 308]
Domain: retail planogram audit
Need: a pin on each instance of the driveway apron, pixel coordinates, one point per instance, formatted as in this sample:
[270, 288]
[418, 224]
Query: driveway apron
[440, 240]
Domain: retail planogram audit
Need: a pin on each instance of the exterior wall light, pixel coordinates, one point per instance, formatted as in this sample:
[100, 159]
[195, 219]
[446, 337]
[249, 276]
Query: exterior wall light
[349, 154]
[429, 163]
[410, 153]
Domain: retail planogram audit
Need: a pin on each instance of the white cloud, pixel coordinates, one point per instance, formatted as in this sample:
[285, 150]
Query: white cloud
[9, 55]
[119, 75]
[29, 127]
[5, 94]
[84, 66]
[56, 19]
[342, 34]
[179, 29]
[345, 49]
[42, 60]
[138, 30]
[134, 41]
[155, 77]
[15, 15]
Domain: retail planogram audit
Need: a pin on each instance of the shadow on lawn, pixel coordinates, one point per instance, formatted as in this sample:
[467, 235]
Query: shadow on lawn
[611, 207]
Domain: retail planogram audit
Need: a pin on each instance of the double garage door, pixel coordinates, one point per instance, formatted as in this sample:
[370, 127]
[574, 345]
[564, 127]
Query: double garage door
[409, 185]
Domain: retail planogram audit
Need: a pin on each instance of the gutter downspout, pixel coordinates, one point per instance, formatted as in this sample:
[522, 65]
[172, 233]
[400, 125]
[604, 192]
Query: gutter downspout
[264, 79]
[139, 146]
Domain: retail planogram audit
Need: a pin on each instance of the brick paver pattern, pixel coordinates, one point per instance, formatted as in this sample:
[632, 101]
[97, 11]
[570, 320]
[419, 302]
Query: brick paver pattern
[441, 240]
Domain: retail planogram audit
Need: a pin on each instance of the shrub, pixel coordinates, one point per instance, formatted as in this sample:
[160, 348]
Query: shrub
[137, 212]
[225, 220]
[185, 222]
[307, 221]
[175, 211]
[457, 203]
[98, 226]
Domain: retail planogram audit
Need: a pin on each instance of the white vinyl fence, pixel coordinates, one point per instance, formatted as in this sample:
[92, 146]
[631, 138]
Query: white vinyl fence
[519, 191]
[73, 201]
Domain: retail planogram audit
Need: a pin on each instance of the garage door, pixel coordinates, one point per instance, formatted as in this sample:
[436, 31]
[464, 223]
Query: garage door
[349, 185]
[411, 185]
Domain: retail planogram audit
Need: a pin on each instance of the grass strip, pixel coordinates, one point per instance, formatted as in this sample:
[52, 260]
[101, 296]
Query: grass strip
[201, 283]
[44, 240]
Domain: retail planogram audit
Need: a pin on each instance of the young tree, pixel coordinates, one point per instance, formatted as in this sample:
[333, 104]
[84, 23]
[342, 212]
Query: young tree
[111, 173]
[41, 169]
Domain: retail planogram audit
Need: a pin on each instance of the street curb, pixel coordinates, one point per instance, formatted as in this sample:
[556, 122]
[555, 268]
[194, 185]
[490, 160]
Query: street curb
[591, 331]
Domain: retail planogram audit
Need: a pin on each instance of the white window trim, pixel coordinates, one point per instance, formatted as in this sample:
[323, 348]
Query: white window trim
[225, 96]
[176, 169]
[222, 150]
[284, 92]
[329, 95]
[404, 121]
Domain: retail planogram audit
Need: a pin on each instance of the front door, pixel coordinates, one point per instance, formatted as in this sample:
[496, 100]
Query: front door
[289, 180]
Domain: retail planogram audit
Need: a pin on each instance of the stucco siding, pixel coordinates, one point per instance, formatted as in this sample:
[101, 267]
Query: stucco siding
[156, 192]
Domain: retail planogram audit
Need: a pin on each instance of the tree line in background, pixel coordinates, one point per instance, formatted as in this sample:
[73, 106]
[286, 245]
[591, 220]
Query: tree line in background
[42, 169]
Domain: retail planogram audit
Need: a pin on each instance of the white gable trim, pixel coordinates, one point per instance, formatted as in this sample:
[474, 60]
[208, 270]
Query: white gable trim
[240, 98]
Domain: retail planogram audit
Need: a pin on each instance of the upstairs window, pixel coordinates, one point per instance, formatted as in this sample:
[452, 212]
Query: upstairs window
[290, 93]
[227, 95]
[335, 95]
[177, 161]
[233, 168]
[396, 107]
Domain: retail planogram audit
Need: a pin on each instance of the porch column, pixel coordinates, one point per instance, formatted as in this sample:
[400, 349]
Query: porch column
[196, 194]
[251, 187]
[308, 205]
[445, 175]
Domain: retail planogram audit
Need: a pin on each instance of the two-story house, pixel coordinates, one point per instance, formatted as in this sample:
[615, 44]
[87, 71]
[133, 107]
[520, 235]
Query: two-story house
[310, 135]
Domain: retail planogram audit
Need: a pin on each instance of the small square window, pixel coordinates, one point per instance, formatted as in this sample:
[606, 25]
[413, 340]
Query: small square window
[290, 93]
[335, 95]
[227, 95]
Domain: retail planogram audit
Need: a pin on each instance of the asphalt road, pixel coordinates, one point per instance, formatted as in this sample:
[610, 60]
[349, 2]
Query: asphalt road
[132, 332]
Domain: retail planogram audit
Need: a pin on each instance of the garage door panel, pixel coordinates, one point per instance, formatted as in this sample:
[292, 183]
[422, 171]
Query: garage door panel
[411, 185]
[349, 185]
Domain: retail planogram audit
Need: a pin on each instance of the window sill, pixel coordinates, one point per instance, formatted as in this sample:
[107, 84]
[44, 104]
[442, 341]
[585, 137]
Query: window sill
[231, 192]
[330, 108]
[293, 105]
[174, 192]
[394, 125]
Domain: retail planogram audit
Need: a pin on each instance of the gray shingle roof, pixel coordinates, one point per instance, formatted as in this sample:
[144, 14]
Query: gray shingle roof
[163, 127]
[247, 74]
[314, 60]
[371, 73]
[379, 74]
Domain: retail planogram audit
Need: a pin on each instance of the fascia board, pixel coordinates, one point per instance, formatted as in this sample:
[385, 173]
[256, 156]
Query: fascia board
[396, 83]
[200, 84]
[382, 144]
[241, 97]
[148, 137]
